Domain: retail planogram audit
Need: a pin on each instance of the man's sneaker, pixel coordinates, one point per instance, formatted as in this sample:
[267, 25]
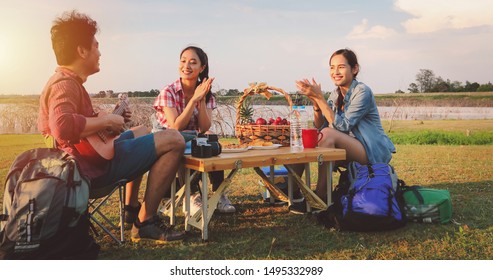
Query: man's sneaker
[224, 205]
[131, 213]
[155, 230]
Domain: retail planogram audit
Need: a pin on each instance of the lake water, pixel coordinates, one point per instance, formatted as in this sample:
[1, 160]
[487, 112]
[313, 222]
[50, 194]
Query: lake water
[225, 116]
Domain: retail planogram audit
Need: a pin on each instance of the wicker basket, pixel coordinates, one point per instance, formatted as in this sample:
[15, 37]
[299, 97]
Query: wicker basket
[246, 133]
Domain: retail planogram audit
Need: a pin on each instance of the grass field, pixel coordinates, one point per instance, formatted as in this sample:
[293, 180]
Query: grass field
[258, 231]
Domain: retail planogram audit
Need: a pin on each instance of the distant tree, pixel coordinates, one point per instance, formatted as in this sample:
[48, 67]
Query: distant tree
[221, 92]
[110, 93]
[100, 94]
[233, 92]
[440, 85]
[413, 88]
[399, 91]
[471, 87]
[485, 87]
[425, 79]
[456, 86]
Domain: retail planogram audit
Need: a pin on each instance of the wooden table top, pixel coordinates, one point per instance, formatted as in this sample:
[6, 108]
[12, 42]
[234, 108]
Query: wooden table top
[258, 158]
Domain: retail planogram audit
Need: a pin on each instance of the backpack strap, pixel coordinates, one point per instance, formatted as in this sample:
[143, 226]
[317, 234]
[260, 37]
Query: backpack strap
[415, 190]
[371, 172]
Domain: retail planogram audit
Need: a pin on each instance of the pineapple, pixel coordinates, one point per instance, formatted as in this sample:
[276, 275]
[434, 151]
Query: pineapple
[246, 113]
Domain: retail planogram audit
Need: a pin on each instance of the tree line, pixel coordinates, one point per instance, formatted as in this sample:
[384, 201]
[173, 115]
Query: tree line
[427, 81]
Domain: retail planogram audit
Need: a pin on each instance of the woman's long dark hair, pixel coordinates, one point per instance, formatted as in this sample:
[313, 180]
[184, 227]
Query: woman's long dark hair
[204, 60]
[352, 60]
[349, 55]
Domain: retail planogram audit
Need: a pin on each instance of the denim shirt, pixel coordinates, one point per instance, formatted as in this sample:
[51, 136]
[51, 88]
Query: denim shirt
[360, 117]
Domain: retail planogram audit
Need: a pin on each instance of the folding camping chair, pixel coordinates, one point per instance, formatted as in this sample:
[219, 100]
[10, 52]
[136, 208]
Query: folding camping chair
[98, 197]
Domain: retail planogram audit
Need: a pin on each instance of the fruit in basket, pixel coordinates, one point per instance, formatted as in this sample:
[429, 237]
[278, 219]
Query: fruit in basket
[261, 121]
[271, 121]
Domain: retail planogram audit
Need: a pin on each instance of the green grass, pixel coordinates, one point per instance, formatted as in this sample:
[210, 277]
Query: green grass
[440, 132]
[258, 231]
[442, 138]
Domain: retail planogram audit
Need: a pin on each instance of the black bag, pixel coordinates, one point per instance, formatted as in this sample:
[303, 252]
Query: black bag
[372, 202]
[44, 207]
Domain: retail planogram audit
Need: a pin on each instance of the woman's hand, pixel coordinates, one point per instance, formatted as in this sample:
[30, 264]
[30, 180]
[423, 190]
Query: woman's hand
[202, 90]
[312, 89]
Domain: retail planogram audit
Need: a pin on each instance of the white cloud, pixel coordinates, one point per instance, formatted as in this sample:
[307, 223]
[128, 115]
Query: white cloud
[363, 31]
[430, 16]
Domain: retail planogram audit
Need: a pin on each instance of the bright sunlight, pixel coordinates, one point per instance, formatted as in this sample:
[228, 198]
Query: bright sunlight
[3, 50]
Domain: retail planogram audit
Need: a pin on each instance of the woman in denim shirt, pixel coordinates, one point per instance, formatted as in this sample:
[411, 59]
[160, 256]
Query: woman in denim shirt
[349, 119]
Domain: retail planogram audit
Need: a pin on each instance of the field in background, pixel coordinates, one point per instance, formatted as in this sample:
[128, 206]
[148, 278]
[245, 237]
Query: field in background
[259, 231]
[458, 99]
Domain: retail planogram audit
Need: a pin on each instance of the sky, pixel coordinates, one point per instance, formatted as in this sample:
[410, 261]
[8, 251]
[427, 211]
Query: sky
[277, 42]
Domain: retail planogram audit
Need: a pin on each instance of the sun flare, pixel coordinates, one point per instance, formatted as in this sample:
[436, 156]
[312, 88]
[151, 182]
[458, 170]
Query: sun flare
[3, 51]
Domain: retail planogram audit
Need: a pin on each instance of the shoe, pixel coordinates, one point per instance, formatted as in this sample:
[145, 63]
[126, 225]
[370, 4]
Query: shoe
[276, 202]
[298, 207]
[155, 230]
[224, 205]
[297, 195]
[131, 213]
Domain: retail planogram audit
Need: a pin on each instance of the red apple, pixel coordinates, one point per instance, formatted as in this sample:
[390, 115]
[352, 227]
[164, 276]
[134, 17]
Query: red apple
[261, 121]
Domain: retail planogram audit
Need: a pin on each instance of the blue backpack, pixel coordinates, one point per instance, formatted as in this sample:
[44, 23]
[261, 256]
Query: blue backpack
[368, 198]
[374, 199]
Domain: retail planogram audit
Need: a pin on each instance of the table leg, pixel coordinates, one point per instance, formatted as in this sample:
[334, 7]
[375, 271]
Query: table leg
[310, 196]
[201, 220]
[172, 218]
[272, 178]
[273, 189]
[308, 183]
[205, 196]
[178, 198]
[329, 182]
[187, 199]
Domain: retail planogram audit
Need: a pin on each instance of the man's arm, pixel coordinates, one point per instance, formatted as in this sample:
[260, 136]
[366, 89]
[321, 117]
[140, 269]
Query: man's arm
[71, 120]
[112, 122]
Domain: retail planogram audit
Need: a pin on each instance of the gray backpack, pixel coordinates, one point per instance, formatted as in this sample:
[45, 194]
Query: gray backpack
[44, 207]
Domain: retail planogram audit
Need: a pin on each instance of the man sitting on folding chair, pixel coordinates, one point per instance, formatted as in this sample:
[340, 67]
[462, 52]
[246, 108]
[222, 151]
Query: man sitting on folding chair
[104, 152]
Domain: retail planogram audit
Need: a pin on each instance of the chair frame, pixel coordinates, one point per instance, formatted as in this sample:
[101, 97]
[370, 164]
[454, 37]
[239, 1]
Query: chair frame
[98, 197]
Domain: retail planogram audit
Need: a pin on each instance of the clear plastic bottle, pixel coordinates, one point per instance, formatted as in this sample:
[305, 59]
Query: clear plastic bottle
[295, 120]
[303, 117]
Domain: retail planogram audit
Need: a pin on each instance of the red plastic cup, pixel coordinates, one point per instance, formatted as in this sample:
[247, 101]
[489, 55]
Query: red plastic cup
[311, 137]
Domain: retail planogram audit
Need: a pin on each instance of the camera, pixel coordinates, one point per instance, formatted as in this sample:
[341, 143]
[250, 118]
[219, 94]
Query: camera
[206, 146]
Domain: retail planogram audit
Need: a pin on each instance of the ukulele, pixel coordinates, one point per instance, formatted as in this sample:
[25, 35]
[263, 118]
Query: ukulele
[99, 146]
